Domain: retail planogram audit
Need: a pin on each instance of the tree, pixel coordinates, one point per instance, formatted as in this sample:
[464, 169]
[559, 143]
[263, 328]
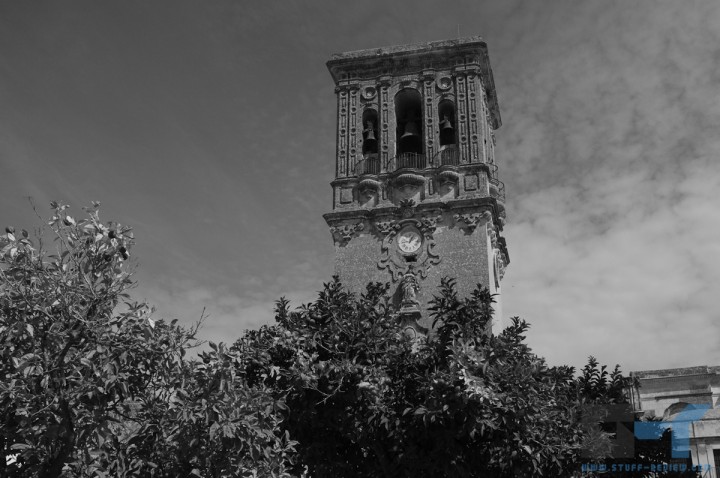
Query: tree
[365, 399]
[93, 386]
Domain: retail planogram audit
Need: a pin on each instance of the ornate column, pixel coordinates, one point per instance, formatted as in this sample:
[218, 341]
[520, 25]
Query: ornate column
[341, 167]
[475, 153]
[430, 112]
[384, 120]
[462, 110]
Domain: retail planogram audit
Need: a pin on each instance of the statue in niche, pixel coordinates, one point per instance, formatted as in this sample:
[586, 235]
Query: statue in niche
[409, 288]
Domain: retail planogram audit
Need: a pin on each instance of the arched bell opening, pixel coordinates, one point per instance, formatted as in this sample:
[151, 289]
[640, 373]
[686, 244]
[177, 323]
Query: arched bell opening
[408, 112]
[370, 164]
[446, 113]
[370, 132]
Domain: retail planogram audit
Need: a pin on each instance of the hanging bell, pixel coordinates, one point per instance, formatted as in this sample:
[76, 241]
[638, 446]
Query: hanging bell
[410, 141]
[445, 124]
[447, 132]
[411, 129]
[369, 140]
[369, 132]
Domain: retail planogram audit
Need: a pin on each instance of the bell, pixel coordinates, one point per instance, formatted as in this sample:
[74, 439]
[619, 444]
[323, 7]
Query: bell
[369, 141]
[447, 132]
[446, 124]
[411, 129]
[410, 141]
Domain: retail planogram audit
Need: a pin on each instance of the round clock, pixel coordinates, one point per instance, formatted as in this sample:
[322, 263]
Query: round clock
[409, 241]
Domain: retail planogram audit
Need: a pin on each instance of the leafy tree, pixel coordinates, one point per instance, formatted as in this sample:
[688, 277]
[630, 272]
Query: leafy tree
[365, 399]
[93, 386]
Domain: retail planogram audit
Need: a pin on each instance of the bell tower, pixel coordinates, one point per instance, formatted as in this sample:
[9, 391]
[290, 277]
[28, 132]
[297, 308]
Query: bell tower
[416, 194]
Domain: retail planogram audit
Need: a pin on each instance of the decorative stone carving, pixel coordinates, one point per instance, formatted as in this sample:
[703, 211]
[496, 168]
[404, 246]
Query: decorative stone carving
[409, 178]
[342, 114]
[492, 234]
[428, 94]
[345, 232]
[409, 287]
[444, 83]
[500, 264]
[384, 227]
[407, 208]
[430, 224]
[471, 220]
[473, 129]
[448, 176]
[395, 262]
[409, 305]
[369, 184]
[384, 119]
[369, 92]
[462, 126]
[353, 120]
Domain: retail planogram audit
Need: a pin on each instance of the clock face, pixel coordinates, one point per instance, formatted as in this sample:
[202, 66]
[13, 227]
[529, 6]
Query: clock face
[409, 241]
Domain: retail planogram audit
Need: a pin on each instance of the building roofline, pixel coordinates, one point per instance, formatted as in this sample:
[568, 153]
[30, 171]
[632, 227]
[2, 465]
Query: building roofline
[677, 372]
[407, 48]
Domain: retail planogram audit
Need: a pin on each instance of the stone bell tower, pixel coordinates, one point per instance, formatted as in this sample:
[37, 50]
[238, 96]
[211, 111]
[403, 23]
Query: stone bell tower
[416, 195]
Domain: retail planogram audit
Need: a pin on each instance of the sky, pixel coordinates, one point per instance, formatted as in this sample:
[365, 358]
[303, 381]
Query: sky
[209, 128]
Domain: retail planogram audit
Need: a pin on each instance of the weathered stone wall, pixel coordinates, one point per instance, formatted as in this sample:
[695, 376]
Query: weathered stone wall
[462, 255]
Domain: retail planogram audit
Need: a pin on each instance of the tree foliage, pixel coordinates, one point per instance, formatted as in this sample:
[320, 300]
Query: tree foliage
[93, 386]
[365, 399]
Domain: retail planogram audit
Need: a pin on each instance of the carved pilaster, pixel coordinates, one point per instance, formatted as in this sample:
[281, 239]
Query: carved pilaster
[342, 133]
[353, 156]
[474, 118]
[384, 88]
[462, 123]
[429, 95]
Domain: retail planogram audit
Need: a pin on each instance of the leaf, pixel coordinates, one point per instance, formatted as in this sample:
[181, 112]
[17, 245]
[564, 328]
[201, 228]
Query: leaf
[20, 446]
[30, 330]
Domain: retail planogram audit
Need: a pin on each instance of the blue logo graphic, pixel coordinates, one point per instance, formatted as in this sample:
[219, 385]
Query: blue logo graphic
[681, 424]
[627, 428]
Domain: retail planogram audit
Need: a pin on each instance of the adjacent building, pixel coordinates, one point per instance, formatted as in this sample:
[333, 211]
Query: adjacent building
[670, 393]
